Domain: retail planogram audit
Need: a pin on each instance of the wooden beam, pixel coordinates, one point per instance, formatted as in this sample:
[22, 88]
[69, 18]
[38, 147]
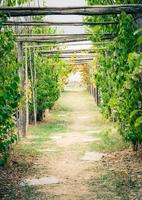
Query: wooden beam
[50, 40]
[70, 44]
[42, 46]
[79, 62]
[76, 56]
[48, 37]
[54, 35]
[59, 39]
[90, 10]
[45, 23]
[71, 51]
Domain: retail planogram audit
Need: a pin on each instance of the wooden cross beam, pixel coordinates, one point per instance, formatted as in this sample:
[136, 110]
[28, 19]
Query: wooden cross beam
[71, 55]
[51, 37]
[91, 56]
[44, 23]
[90, 10]
[79, 63]
[54, 35]
[71, 51]
[78, 59]
[59, 39]
[70, 44]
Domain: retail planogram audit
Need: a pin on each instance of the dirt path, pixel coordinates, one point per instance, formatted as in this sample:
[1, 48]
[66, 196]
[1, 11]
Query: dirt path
[57, 161]
[60, 159]
[66, 162]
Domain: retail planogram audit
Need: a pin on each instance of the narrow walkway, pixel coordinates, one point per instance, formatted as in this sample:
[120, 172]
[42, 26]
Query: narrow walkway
[70, 159]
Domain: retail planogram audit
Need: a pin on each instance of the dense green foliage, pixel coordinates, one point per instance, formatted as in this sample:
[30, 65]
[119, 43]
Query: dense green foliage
[119, 76]
[9, 86]
[14, 2]
[9, 91]
[47, 84]
[51, 71]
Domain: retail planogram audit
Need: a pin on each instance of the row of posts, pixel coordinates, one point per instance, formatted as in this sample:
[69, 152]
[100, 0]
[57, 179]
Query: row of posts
[23, 112]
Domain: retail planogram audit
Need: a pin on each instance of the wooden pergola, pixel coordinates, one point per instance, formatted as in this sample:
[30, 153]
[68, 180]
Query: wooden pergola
[30, 40]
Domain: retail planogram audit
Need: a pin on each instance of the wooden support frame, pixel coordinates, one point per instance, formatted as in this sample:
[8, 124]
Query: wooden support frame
[33, 75]
[47, 23]
[76, 56]
[88, 10]
[70, 44]
[51, 41]
[61, 39]
[84, 62]
[71, 51]
[54, 35]
[49, 37]
[78, 59]
[23, 110]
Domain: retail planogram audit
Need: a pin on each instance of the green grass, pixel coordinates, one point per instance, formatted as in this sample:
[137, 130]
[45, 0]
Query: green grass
[110, 141]
[116, 185]
[39, 136]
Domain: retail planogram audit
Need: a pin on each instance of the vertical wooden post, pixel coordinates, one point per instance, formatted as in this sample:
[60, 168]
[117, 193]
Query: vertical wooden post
[97, 96]
[33, 84]
[26, 93]
[23, 114]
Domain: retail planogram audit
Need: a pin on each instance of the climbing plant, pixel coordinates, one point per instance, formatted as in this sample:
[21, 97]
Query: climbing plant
[119, 77]
[9, 91]
[47, 85]
[9, 85]
[52, 73]
[14, 2]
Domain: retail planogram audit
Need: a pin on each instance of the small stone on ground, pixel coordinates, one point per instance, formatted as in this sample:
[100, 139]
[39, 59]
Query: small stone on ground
[92, 156]
[41, 181]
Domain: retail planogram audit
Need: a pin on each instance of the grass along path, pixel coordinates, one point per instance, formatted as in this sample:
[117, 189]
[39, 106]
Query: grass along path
[55, 149]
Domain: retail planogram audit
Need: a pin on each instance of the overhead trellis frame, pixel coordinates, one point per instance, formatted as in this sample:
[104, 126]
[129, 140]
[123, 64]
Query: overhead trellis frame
[45, 23]
[89, 10]
[85, 11]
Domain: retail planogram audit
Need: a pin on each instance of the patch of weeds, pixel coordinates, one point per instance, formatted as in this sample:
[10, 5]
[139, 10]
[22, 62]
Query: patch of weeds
[45, 130]
[42, 132]
[110, 141]
[114, 185]
[39, 136]
[61, 108]
[23, 193]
